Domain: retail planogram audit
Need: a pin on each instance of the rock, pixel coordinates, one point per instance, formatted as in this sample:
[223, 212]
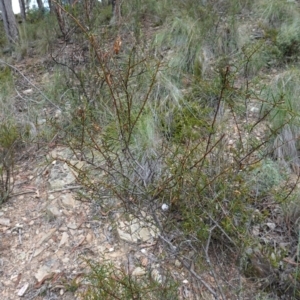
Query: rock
[177, 263]
[72, 225]
[136, 231]
[68, 200]
[23, 290]
[89, 237]
[54, 210]
[38, 251]
[138, 271]
[272, 226]
[42, 272]
[165, 207]
[46, 236]
[4, 221]
[64, 239]
[26, 92]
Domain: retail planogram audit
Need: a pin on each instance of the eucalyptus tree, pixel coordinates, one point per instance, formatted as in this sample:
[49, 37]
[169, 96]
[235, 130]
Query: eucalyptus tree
[9, 21]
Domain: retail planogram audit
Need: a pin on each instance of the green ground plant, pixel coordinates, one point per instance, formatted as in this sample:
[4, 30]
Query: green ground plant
[107, 281]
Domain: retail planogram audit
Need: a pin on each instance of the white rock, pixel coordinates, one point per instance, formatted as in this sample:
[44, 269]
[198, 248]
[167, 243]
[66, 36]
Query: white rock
[72, 225]
[23, 290]
[138, 271]
[42, 272]
[26, 92]
[4, 221]
[165, 207]
[271, 225]
[177, 263]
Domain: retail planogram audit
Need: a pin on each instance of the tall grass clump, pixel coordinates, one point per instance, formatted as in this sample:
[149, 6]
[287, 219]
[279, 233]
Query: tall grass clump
[279, 21]
[282, 108]
[37, 34]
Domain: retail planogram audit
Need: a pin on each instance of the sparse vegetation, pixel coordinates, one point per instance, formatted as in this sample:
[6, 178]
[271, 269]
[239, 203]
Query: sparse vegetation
[182, 104]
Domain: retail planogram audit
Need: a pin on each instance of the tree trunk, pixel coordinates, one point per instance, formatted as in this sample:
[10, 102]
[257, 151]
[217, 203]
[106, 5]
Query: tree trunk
[9, 21]
[50, 6]
[116, 9]
[40, 6]
[22, 9]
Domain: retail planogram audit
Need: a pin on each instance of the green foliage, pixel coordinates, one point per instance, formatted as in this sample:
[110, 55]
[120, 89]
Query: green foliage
[105, 15]
[265, 176]
[280, 24]
[3, 39]
[288, 39]
[276, 12]
[9, 135]
[106, 281]
[37, 34]
[6, 80]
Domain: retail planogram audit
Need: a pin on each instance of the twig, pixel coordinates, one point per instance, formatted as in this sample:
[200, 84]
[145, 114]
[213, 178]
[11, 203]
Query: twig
[208, 287]
[50, 192]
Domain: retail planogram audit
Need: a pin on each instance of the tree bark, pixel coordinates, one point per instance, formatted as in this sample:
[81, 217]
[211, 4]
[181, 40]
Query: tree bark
[22, 9]
[50, 6]
[40, 6]
[116, 9]
[9, 21]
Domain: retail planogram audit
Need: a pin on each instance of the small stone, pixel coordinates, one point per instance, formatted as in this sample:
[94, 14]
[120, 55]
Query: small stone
[46, 236]
[185, 281]
[68, 200]
[165, 207]
[177, 263]
[54, 210]
[89, 237]
[65, 260]
[4, 221]
[42, 272]
[138, 271]
[254, 109]
[273, 256]
[63, 228]
[72, 225]
[64, 239]
[38, 251]
[28, 91]
[271, 225]
[23, 290]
